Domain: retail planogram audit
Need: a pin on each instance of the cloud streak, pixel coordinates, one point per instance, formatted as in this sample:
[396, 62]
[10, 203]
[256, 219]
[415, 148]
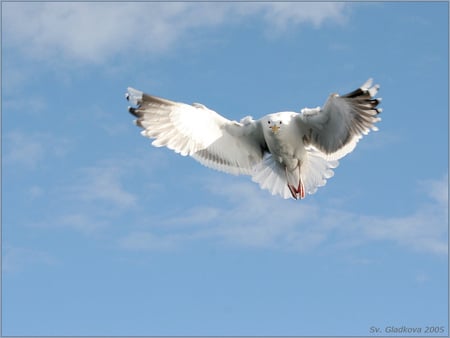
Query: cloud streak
[29, 149]
[16, 259]
[103, 185]
[90, 200]
[74, 31]
[254, 220]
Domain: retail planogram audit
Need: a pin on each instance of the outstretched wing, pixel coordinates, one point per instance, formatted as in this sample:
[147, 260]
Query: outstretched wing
[199, 132]
[336, 128]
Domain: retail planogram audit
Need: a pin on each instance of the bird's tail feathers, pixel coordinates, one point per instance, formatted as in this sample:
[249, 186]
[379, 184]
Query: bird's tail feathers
[314, 172]
[316, 169]
[271, 175]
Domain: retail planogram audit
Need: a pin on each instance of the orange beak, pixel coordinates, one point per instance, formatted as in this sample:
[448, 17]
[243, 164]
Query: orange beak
[275, 128]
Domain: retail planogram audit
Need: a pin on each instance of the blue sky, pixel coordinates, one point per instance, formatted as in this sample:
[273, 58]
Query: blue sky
[103, 234]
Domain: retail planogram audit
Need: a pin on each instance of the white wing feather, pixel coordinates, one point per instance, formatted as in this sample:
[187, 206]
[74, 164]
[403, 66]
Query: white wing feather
[199, 132]
[339, 125]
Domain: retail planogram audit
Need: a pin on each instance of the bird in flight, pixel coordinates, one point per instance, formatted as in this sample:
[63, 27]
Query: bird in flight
[288, 153]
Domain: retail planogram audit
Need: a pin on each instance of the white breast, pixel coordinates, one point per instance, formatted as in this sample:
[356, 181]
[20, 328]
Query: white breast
[287, 144]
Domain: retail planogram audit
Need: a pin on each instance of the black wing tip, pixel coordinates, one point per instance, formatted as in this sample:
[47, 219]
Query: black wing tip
[367, 90]
[133, 111]
[355, 93]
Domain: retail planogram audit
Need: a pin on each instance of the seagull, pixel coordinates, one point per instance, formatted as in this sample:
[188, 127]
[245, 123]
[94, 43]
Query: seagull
[290, 154]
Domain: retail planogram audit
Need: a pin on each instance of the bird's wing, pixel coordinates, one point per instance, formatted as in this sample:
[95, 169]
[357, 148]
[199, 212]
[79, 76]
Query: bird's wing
[337, 127]
[197, 131]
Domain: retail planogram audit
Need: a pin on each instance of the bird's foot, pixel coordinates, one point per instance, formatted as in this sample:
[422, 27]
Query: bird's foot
[297, 192]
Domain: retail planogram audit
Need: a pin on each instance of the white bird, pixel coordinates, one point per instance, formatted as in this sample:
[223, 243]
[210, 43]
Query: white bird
[288, 153]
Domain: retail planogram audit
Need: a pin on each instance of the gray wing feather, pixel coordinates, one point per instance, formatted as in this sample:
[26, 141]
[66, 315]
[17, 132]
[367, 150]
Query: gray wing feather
[336, 128]
[198, 131]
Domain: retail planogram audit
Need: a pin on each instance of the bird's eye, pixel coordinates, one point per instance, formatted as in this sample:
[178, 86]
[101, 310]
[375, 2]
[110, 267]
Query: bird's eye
[268, 122]
[280, 122]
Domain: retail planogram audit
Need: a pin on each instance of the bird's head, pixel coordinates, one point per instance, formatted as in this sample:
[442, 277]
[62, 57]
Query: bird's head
[275, 122]
[272, 123]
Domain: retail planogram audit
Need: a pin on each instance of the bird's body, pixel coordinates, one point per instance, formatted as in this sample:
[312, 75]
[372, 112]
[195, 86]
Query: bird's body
[288, 153]
[283, 139]
[285, 143]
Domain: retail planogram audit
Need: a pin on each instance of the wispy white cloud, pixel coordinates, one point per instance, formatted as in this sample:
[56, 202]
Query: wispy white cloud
[35, 191]
[23, 149]
[16, 259]
[94, 197]
[97, 31]
[147, 241]
[437, 189]
[283, 15]
[254, 220]
[424, 230]
[196, 216]
[102, 184]
[28, 149]
[81, 221]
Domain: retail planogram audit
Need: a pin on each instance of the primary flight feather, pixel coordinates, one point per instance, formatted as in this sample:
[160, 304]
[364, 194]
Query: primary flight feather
[288, 153]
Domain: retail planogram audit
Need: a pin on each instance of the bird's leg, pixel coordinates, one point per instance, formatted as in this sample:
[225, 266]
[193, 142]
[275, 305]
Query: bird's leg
[290, 186]
[293, 191]
[299, 191]
[301, 187]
